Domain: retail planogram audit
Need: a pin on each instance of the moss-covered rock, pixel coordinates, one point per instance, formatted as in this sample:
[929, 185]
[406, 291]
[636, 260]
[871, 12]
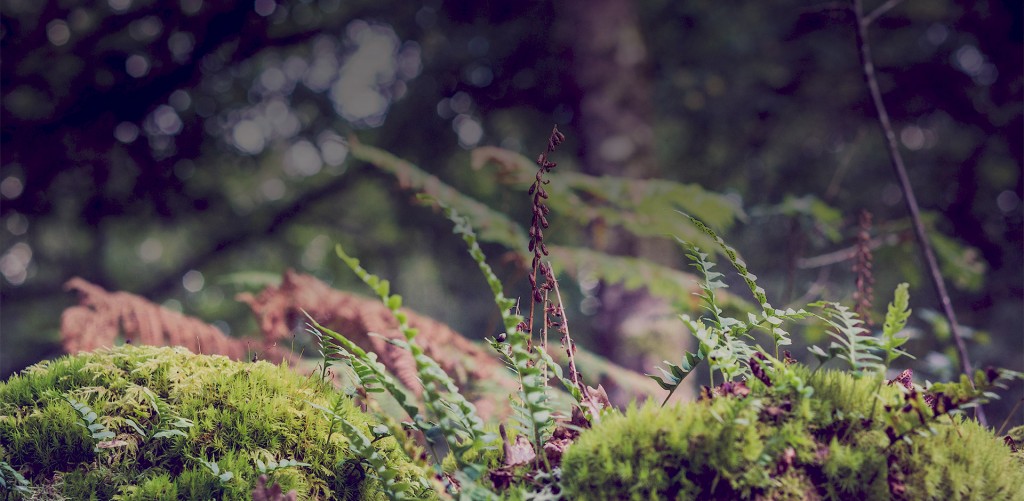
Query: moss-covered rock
[776, 443]
[169, 424]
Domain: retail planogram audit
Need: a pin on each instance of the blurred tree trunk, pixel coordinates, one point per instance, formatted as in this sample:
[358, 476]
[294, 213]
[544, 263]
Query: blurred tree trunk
[614, 117]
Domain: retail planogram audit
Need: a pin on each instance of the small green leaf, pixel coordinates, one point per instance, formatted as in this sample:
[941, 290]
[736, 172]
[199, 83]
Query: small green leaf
[395, 302]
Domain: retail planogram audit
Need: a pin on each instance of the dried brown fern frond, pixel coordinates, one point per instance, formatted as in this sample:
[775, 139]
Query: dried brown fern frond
[279, 309]
[101, 316]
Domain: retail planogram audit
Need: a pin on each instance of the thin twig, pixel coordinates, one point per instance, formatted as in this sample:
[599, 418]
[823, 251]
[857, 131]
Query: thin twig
[816, 289]
[1008, 416]
[844, 164]
[880, 11]
[868, 68]
[845, 254]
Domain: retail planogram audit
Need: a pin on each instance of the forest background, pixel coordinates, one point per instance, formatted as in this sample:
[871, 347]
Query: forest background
[187, 151]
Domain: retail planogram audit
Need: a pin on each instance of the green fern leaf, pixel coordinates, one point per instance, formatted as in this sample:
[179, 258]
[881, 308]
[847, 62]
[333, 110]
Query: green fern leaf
[457, 418]
[770, 319]
[850, 340]
[895, 320]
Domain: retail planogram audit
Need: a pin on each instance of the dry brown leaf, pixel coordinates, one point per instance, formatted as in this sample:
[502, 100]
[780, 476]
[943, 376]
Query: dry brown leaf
[520, 452]
[101, 316]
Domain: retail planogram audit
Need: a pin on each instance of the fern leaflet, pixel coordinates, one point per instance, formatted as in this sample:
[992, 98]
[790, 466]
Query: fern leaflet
[850, 342]
[895, 320]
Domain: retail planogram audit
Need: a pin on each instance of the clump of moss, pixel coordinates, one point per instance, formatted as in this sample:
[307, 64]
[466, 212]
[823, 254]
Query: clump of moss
[778, 444]
[139, 422]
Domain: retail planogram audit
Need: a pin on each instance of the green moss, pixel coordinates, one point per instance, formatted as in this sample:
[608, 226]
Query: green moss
[962, 461]
[780, 444]
[192, 411]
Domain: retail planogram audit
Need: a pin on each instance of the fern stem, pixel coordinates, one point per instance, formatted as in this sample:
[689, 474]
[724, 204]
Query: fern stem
[670, 392]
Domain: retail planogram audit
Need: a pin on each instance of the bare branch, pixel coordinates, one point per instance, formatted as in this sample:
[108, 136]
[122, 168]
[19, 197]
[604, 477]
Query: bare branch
[939, 283]
[844, 254]
[879, 12]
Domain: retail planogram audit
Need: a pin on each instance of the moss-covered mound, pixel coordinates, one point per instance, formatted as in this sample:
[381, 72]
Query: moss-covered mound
[163, 423]
[777, 444]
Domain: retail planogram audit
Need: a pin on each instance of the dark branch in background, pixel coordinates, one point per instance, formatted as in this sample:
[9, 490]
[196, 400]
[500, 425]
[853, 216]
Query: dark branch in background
[908, 192]
[846, 254]
[242, 234]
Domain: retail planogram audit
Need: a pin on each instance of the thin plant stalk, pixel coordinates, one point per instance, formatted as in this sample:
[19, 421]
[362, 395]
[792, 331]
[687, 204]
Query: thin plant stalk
[896, 158]
[570, 348]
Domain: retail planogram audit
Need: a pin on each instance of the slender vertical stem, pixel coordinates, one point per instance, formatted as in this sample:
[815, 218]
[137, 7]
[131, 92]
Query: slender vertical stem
[570, 347]
[938, 282]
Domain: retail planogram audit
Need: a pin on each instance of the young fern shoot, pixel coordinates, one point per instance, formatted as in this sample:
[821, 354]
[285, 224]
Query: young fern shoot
[369, 373]
[771, 319]
[895, 320]
[719, 337]
[457, 419]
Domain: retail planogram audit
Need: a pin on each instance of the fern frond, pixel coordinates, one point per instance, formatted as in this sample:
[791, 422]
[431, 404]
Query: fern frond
[369, 372]
[850, 342]
[535, 413]
[770, 319]
[671, 379]
[719, 337]
[90, 421]
[710, 281]
[457, 418]
[725, 350]
[362, 447]
[895, 320]
[464, 228]
[634, 205]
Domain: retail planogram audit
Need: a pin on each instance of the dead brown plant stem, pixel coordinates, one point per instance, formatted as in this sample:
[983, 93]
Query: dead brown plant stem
[544, 331]
[868, 67]
[570, 349]
[529, 325]
[539, 222]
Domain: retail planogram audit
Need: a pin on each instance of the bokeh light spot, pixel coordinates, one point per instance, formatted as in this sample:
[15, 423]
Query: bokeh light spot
[57, 32]
[193, 281]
